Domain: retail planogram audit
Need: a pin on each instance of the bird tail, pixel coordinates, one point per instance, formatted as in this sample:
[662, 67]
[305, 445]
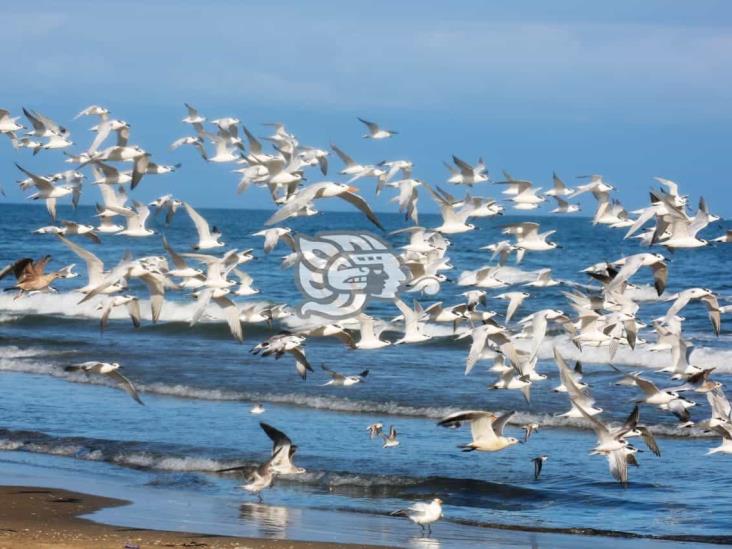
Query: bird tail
[398, 513]
[466, 447]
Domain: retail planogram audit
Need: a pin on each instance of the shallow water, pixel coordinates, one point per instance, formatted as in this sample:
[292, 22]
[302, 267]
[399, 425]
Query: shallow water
[198, 385]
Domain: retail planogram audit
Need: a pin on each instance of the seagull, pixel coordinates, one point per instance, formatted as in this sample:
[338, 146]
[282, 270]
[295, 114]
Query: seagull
[413, 326]
[725, 430]
[704, 295]
[375, 430]
[342, 380]
[283, 450]
[93, 110]
[565, 207]
[486, 428]
[9, 124]
[274, 235]
[528, 238]
[529, 429]
[110, 369]
[70, 228]
[578, 394]
[166, 202]
[350, 166]
[390, 440]
[465, 174]
[375, 132]
[515, 299]
[665, 399]
[543, 279]
[208, 237]
[559, 189]
[282, 343]
[231, 311]
[538, 463]
[257, 409]
[129, 301]
[135, 220]
[326, 189]
[46, 190]
[498, 336]
[454, 221]
[94, 269]
[44, 126]
[631, 264]
[193, 117]
[423, 514]
[29, 275]
[260, 479]
[369, 336]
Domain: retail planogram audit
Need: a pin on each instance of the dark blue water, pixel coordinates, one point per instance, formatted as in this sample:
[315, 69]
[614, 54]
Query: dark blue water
[198, 385]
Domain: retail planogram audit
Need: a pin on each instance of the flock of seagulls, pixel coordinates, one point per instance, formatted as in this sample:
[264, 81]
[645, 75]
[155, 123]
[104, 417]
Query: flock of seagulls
[604, 313]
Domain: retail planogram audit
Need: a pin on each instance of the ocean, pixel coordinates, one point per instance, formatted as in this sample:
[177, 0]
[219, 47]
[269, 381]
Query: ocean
[198, 385]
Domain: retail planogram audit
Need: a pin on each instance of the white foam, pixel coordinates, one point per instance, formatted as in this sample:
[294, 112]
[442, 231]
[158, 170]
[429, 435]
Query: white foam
[67, 305]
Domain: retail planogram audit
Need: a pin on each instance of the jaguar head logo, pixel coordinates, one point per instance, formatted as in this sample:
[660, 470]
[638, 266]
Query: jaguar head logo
[338, 273]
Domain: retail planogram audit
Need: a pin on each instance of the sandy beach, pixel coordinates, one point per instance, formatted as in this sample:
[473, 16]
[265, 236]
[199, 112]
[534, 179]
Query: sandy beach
[48, 517]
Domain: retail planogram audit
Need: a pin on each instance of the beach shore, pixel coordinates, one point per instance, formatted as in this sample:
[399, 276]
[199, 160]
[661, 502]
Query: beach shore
[40, 518]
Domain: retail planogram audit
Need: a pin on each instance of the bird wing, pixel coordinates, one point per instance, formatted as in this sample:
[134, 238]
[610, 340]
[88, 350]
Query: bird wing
[362, 205]
[156, 286]
[231, 312]
[648, 387]
[649, 440]
[139, 169]
[713, 311]
[347, 160]
[618, 463]
[660, 276]
[335, 375]
[178, 261]
[127, 385]
[204, 232]
[94, 265]
[133, 308]
[17, 268]
[279, 439]
[465, 168]
[301, 362]
[372, 126]
[500, 422]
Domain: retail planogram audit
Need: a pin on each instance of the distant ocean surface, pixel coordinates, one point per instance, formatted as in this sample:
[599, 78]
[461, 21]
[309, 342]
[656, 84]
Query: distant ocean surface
[199, 384]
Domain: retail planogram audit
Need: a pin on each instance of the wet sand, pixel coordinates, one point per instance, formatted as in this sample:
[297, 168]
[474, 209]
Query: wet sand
[48, 517]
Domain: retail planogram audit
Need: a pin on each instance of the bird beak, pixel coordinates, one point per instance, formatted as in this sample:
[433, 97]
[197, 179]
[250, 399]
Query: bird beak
[352, 189]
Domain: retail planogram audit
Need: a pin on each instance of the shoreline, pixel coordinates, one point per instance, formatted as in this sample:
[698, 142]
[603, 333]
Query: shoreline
[45, 503]
[37, 517]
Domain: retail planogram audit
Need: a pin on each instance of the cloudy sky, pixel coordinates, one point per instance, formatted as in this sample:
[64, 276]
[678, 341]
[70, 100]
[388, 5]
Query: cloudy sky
[628, 89]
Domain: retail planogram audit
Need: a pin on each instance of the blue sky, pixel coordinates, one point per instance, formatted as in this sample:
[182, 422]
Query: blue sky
[628, 89]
